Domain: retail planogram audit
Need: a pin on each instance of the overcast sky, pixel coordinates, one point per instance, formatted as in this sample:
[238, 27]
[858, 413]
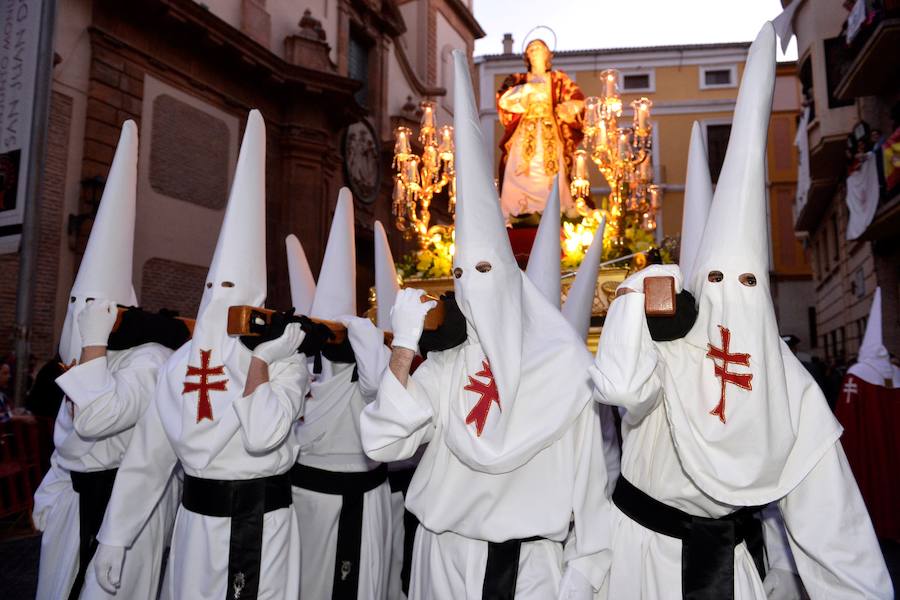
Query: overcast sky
[581, 24]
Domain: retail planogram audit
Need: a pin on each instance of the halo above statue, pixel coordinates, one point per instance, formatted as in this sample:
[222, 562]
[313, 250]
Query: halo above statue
[531, 38]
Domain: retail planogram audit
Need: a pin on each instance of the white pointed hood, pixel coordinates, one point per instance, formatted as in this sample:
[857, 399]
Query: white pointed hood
[746, 427]
[523, 365]
[698, 193]
[544, 261]
[873, 365]
[580, 301]
[336, 286]
[386, 284]
[237, 276]
[105, 270]
[303, 285]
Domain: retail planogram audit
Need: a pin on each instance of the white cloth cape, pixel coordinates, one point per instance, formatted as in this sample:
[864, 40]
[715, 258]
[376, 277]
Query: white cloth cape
[107, 396]
[831, 536]
[250, 439]
[538, 498]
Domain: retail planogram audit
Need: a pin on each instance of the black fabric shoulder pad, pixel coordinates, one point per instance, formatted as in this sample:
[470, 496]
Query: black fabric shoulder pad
[666, 329]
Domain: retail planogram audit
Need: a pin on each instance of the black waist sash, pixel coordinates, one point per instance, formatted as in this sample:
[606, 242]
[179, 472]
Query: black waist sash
[351, 487]
[94, 490]
[501, 571]
[245, 502]
[399, 481]
[707, 544]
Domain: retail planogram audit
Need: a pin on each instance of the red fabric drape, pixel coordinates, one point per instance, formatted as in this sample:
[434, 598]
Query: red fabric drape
[870, 415]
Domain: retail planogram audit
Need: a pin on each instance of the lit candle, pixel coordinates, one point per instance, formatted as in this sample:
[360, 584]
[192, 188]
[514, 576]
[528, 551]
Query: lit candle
[591, 112]
[446, 146]
[401, 144]
[411, 173]
[610, 83]
[623, 146]
[399, 193]
[654, 196]
[428, 115]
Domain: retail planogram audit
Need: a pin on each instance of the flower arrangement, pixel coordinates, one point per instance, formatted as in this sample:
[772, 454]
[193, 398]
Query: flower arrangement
[432, 262]
[435, 261]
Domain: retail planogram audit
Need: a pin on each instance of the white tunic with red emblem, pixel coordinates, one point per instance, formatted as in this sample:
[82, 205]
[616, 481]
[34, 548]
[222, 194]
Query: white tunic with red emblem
[830, 535]
[462, 508]
[104, 399]
[201, 418]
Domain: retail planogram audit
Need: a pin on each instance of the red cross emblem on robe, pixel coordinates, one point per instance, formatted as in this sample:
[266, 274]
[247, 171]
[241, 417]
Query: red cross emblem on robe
[742, 380]
[204, 386]
[489, 394]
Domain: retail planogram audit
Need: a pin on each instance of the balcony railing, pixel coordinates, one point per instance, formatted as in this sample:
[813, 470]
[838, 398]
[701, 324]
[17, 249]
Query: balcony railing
[872, 36]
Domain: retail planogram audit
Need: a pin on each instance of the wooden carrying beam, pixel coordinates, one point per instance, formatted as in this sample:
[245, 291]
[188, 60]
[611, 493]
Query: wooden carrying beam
[189, 323]
[251, 321]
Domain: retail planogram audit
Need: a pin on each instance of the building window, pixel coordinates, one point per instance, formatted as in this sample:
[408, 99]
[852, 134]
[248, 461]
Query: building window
[806, 85]
[358, 66]
[836, 256]
[718, 77]
[716, 145]
[637, 81]
[813, 326]
[822, 252]
[837, 60]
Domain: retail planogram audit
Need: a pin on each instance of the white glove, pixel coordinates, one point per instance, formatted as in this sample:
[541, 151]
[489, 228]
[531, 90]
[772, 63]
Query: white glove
[372, 356]
[282, 347]
[95, 322]
[108, 561]
[574, 586]
[365, 338]
[635, 281]
[408, 318]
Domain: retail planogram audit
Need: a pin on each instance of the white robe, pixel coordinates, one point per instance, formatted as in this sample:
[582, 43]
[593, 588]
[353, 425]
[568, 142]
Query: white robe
[829, 531]
[106, 396]
[329, 439]
[461, 510]
[250, 439]
[398, 528]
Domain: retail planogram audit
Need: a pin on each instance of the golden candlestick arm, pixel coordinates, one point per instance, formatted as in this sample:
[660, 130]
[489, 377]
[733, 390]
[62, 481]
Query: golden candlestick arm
[418, 178]
[623, 157]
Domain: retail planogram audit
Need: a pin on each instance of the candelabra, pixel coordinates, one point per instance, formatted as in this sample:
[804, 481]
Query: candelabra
[419, 178]
[623, 156]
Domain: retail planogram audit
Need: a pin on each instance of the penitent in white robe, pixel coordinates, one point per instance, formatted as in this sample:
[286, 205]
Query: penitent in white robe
[247, 439]
[461, 509]
[829, 532]
[329, 439]
[104, 399]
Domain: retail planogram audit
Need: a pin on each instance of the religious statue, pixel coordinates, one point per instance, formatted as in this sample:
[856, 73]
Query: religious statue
[541, 115]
